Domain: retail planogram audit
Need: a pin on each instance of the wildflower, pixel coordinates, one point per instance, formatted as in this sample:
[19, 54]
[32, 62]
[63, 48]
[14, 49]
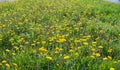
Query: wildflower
[49, 58]
[61, 40]
[100, 47]
[15, 64]
[16, 47]
[7, 50]
[13, 54]
[105, 58]
[71, 51]
[7, 65]
[43, 42]
[94, 43]
[42, 49]
[97, 54]
[26, 43]
[76, 54]
[85, 43]
[92, 56]
[79, 47]
[112, 68]
[66, 57]
[4, 61]
[109, 57]
[109, 50]
[93, 49]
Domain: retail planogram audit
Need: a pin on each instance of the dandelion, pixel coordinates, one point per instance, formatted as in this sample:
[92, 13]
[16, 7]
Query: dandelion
[109, 50]
[109, 57]
[97, 54]
[94, 43]
[71, 50]
[13, 54]
[100, 47]
[66, 57]
[7, 65]
[4, 61]
[49, 58]
[112, 68]
[61, 40]
[42, 49]
[85, 43]
[16, 47]
[105, 58]
[92, 56]
[7, 50]
[15, 64]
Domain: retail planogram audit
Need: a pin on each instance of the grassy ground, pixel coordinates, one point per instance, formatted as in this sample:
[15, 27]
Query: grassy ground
[59, 35]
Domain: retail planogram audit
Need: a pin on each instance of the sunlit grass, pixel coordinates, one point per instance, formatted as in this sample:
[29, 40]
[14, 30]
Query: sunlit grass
[59, 35]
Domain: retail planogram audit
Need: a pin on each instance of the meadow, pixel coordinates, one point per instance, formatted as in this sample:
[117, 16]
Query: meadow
[59, 35]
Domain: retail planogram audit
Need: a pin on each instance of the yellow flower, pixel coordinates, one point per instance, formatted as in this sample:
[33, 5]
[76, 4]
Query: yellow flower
[16, 47]
[85, 43]
[105, 58]
[112, 68]
[100, 47]
[49, 58]
[42, 49]
[109, 57]
[66, 57]
[7, 50]
[4, 61]
[15, 64]
[94, 43]
[97, 54]
[71, 50]
[13, 54]
[61, 40]
[92, 56]
[109, 50]
[7, 65]
[76, 54]
[43, 42]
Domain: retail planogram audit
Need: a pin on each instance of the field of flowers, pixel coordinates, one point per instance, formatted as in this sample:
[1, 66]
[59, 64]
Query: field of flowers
[59, 35]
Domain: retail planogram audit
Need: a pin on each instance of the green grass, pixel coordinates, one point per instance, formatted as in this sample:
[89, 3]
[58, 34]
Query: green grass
[59, 35]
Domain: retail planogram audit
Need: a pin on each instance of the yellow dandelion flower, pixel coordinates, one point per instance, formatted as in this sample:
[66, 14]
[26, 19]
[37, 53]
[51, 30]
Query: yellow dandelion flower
[105, 58]
[7, 65]
[76, 54]
[109, 50]
[7, 50]
[66, 57]
[16, 47]
[49, 58]
[109, 57]
[13, 54]
[85, 43]
[61, 40]
[97, 54]
[100, 47]
[92, 56]
[112, 68]
[15, 64]
[42, 49]
[94, 43]
[4, 61]
[71, 50]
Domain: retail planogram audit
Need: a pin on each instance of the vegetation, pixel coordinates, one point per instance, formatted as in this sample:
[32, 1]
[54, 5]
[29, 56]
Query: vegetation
[59, 35]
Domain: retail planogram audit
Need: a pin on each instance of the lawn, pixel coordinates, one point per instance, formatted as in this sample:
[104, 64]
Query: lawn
[59, 35]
